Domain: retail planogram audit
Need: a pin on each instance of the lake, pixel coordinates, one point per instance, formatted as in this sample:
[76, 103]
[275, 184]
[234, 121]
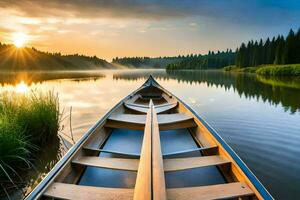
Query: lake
[257, 116]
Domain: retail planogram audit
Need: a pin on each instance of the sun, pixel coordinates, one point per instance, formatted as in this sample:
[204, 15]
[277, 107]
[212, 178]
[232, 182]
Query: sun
[20, 39]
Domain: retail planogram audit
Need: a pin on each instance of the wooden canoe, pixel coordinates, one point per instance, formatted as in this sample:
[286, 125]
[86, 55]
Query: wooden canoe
[151, 145]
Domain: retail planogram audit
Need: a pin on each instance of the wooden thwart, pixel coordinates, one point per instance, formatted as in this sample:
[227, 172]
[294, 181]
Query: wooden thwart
[112, 152]
[143, 109]
[213, 148]
[175, 164]
[221, 191]
[110, 163]
[71, 191]
[165, 121]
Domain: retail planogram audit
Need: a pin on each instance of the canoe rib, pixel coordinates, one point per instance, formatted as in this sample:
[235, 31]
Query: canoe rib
[110, 163]
[71, 191]
[176, 164]
[220, 191]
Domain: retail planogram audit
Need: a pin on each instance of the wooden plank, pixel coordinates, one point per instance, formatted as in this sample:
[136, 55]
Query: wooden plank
[71, 191]
[175, 164]
[137, 122]
[213, 148]
[128, 121]
[164, 108]
[129, 118]
[133, 98]
[112, 152]
[175, 121]
[221, 191]
[143, 187]
[164, 105]
[159, 185]
[135, 108]
[173, 118]
[144, 109]
[110, 163]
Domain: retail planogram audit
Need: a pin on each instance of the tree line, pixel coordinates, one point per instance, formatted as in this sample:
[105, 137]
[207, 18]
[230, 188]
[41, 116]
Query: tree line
[211, 60]
[12, 58]
[278, 50]
[147, 62]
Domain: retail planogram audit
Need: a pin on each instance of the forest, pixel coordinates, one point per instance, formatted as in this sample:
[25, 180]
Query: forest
[16, 59]
[211, 60]
[277, 56]
[278, 50]
[147, 62]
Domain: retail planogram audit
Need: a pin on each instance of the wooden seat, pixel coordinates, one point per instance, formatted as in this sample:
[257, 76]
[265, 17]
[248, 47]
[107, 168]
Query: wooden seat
[175, 121]
[221, 191]
[165, 121]
[110, 163]
[136, 108]
[128, 121]
[71, 191]
[175, 164]
[143, 109]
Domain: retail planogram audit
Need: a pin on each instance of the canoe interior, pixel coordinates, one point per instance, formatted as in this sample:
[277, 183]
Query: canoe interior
[150, 146]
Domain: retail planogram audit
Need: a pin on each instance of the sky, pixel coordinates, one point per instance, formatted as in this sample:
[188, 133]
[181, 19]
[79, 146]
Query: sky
[119, 28]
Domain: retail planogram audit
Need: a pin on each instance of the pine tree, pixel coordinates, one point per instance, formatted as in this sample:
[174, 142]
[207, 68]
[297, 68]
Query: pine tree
[280, 48]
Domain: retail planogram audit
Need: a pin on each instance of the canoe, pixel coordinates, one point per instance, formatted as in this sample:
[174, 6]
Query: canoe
[151, 145]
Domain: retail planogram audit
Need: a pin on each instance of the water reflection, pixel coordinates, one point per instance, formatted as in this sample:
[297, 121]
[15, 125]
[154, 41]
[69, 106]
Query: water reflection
[276, 91]
[34, 77]
[259, 117]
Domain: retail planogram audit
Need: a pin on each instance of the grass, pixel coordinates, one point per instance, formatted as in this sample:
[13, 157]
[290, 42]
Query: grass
[268, 70]
[27, 122]
[280, 70]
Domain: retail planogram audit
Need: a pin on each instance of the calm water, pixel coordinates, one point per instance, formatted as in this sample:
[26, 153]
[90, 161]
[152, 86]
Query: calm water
[258, 117]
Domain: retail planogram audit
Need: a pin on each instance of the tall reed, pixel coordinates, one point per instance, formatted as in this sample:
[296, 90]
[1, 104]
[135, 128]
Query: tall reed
[27, 122]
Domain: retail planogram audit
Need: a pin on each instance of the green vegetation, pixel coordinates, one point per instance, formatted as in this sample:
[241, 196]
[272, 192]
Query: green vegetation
[231, 68]
[210, 61]
[282, 70]
[27, 122]
[147, 62]
[268, 70]
[234, 68]
[21, 59]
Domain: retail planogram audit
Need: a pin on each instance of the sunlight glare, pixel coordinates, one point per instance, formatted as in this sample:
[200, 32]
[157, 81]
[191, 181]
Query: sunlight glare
[19, 39]
[21, 87]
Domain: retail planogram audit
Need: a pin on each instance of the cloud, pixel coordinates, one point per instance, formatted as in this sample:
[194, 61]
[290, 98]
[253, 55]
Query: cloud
[235, 11]
[98, 8]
